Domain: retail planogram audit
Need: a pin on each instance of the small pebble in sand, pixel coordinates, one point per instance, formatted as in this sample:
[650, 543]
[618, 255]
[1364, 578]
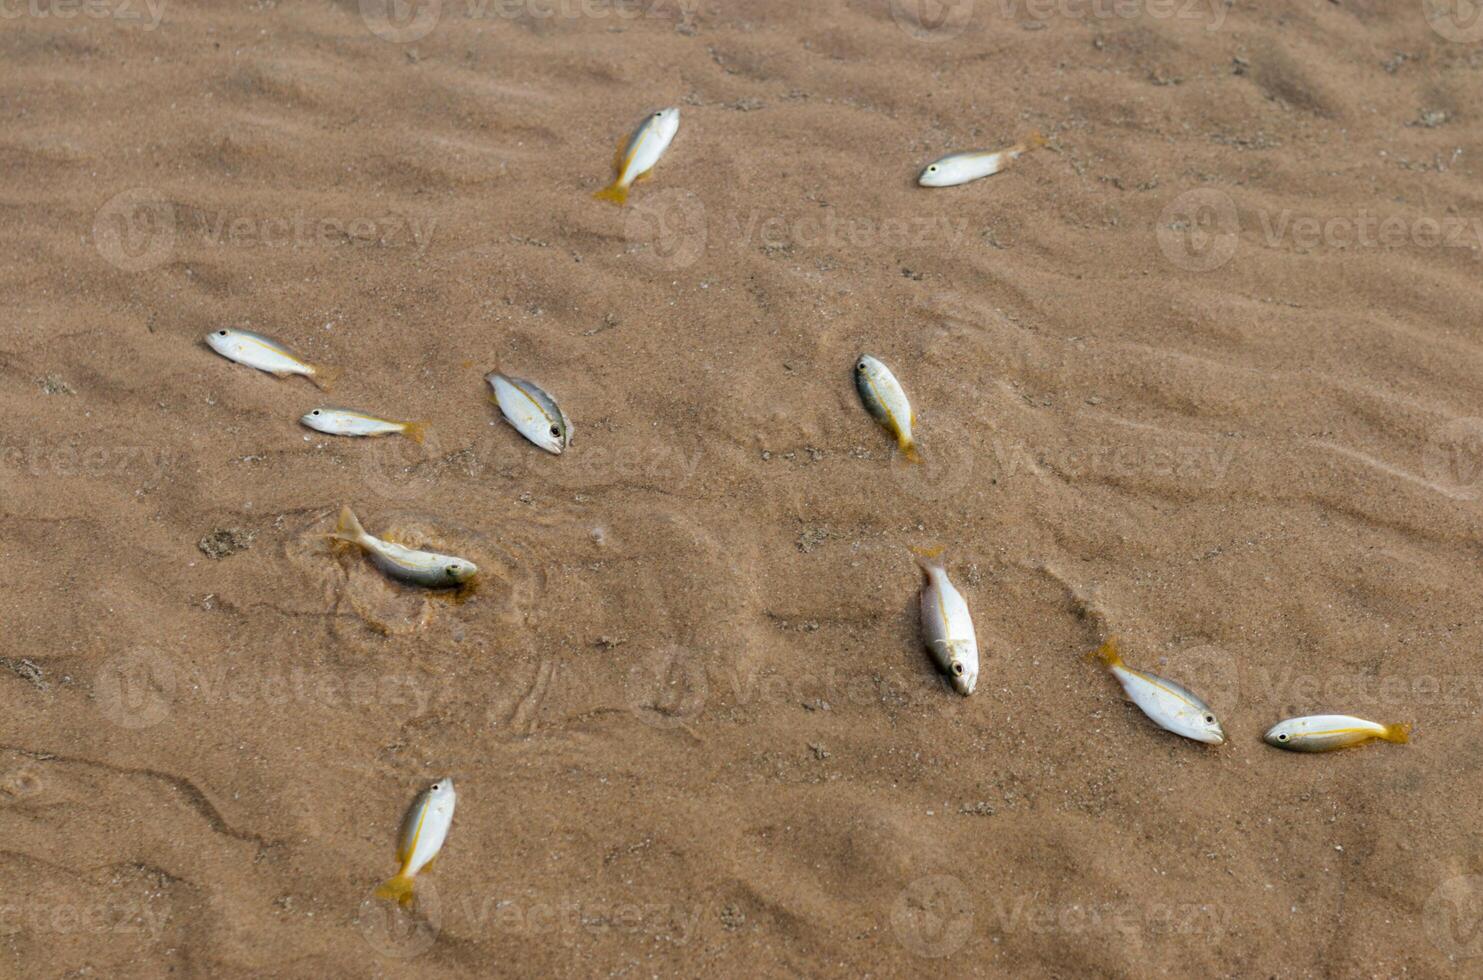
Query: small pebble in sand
[224, 542]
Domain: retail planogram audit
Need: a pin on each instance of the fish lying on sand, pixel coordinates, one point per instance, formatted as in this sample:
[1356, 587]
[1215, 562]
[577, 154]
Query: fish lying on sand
[960, 168]
[885, 399]
[423, 831]
[425, 568]
[267, 354]
[947, 627]
[638, 155]
[1171, 707]
[533, 413]
[348, 422]
[1324, 733]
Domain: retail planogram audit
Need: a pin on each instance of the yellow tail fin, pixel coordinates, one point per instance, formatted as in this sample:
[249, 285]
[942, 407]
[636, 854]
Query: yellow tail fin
[324, 377]
[416, 431]
[1035, 140]
[614, 192]
[927, 558]
[1400, 733]
[909, 450]
[349, 527]
[1108, 653]
[397, 888]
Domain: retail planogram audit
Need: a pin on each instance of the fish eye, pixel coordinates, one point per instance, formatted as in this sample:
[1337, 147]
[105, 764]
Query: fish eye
[860, 367]
[1282, 737]
[221, 333]
[315, 412]
[1209, 719]
[658, 115]
[556, 431]
[932, 169]
[958, 669]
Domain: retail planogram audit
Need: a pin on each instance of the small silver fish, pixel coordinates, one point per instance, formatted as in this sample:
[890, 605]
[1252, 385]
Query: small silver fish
[348, 422]
[947, 627]
[425, 568]
[533, 413]
[638, 154]
[1171, 707]
[885, 399]
[960, 168]
[267, 354]
[1324, 733]
[424, 829]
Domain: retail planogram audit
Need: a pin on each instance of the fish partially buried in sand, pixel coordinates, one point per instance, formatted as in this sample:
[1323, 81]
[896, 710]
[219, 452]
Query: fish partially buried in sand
[885, 399]
[1324, 733]
[947, 627]
[533, 413]
[1171, 707]
[267, 354]
[348, 422]
[423, 831]
[425, 568]
[638, 155]
[960, 168]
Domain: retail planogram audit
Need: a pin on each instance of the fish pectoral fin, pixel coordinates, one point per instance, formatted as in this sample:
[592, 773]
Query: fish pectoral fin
[642, 176]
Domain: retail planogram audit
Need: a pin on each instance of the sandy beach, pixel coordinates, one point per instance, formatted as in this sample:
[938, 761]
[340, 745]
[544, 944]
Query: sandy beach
[1204, 373]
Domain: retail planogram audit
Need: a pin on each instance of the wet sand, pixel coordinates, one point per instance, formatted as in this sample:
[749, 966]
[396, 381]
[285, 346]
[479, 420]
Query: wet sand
[1205, 373]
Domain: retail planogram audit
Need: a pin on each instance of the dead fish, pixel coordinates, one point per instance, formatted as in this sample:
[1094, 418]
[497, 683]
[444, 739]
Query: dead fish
[960, 168]
[1171, 707]
[423, 831]
[425, 568]
[885, 399]
[947, 627]
[533, 413]
[348, 422]
[637, 156]
[267, 354]
[1324, 733]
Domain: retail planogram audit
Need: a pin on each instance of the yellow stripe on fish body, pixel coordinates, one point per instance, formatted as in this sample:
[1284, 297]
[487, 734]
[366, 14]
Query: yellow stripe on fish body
[425, 568]
[637, 156]
[1170, 706]
[423, 832]
[1325, 733]
[885, 399]
[267, 354]
[348, 422]
[960, 168]
[533, 413]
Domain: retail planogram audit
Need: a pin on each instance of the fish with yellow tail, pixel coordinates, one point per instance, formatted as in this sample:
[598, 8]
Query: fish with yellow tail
[885, 399]
[1170, 706]
[638, 155]
[423, 831]
[960, 168]
[1325, 733]
[946, 626]
[267, 354]
[348, 422]
[425, 568]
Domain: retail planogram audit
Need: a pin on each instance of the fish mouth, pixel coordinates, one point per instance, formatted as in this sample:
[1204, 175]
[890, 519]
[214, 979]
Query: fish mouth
[962, 680]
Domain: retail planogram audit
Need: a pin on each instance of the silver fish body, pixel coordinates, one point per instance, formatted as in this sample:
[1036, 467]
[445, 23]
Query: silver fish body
[267, 354]
[886, 401]
[640, 152]
[348, 422]
[423, 831]
[533, 413]
[1168, 704]
[947, 628]
[1324, 733]
[426, 568]
[961, 168]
